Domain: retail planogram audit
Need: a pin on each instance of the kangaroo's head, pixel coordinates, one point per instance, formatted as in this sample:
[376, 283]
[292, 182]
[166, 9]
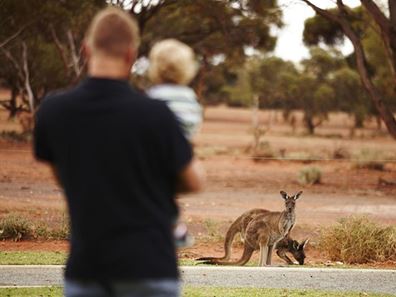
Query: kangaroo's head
[297, 250]
[290, 201]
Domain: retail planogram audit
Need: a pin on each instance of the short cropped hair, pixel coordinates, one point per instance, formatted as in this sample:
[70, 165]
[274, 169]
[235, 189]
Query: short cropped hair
[172, 61]
[112, 32]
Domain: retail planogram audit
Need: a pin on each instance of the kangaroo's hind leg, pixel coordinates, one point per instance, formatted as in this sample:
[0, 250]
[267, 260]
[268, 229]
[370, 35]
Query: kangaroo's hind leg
[269, 254]
[263, 250]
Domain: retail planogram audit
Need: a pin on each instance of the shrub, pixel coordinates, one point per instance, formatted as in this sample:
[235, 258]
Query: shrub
[304, 157]
[368, 159]
[310, 176]
[63, 231]
[263, 151]
[358, 240]
[15, 227]
[212, 229]
[16, 137]
[59, 232]
[341, 153]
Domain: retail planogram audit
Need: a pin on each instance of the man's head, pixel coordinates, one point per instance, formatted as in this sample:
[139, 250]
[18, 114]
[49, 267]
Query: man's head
[112, 38]
[172, 61]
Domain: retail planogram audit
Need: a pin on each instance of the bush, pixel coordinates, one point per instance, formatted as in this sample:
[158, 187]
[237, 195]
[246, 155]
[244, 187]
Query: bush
[341, 153]
[303, 157]
[17, 137]
[15, 227]
[212, 228]
[59, 232]
[263, 151]
[367, 159]
[310, 176]
[358, 240]
[63, 231]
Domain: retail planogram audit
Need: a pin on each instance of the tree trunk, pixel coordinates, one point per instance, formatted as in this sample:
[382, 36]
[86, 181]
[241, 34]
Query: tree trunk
[309, 124]
[27, 84]
[385, 113]
[13, 108]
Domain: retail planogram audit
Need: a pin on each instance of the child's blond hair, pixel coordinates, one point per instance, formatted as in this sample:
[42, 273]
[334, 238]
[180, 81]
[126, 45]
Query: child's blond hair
[172, 61]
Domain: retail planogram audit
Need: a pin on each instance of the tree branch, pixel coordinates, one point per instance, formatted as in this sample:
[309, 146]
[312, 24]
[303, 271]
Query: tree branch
[60, 48]
[376, 13]
[74, 55]
[324, 13]
[28, 86]
[14, 62]
[388, 31]
[12, 37]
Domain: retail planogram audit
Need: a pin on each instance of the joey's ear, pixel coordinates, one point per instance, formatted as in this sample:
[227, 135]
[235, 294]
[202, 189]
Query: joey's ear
[304, 243]
[297, 195]
[295, 245]
[283, 194]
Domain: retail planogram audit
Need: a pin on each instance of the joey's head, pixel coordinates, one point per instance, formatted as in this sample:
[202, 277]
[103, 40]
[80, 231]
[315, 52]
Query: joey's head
[297, 250]
[290, 201]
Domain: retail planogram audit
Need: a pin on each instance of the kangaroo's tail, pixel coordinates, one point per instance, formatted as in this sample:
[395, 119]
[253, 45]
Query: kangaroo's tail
[247, 254]
[234, 229]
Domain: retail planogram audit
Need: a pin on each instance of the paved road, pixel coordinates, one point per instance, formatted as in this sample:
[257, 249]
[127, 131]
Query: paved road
[367, 280]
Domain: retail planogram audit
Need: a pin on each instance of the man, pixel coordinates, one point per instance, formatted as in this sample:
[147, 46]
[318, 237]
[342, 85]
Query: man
[121, 158]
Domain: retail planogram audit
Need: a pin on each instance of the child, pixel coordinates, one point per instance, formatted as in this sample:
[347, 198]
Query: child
[172, 68]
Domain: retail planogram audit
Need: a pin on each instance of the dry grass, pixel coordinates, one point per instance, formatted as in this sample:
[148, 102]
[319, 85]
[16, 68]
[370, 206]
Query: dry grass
[369, 159]
[310, 176]
[16, 227]
[359, 240]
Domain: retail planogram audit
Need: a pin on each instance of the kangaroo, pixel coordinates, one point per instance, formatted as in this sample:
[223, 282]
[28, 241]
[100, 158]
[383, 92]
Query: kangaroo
[288, 245]
[260, 229]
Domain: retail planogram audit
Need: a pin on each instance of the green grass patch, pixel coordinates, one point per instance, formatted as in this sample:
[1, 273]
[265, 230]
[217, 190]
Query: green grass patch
[32, 258]
[252, 292]
[32, 292]
[190, 291]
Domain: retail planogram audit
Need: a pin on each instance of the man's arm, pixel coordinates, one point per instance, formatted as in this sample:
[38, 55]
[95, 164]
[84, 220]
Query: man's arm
[191, 178]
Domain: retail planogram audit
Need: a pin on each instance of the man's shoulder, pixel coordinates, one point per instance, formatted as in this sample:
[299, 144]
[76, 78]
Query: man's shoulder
[148, 102]
[53, 101]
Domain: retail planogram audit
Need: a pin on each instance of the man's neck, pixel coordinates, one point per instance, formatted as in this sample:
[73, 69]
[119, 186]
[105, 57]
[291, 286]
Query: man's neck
[104, 67]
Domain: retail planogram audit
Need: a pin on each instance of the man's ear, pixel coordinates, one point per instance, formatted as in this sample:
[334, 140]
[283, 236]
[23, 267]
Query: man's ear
[130, 56]
[283, 194]
[85, 50]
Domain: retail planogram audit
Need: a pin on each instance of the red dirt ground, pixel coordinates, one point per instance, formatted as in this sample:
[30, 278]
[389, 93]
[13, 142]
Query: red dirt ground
[235, 182]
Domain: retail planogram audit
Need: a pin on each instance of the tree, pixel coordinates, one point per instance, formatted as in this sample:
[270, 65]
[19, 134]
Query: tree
[343, 17]
[350, 96]
[216, 30]
[41, 47]
[40, 44]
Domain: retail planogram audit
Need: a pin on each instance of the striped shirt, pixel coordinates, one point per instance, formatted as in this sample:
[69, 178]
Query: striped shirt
[182, 100]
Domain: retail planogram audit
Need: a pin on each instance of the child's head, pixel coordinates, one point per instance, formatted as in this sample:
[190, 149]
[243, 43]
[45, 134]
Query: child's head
[172, 61]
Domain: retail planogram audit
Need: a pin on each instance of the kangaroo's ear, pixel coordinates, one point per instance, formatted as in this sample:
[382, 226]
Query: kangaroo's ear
[297, 195]
[283, 194]
[295, 245]
[304, 244]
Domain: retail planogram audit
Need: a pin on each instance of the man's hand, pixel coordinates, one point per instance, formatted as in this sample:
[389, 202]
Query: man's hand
[191, 178]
